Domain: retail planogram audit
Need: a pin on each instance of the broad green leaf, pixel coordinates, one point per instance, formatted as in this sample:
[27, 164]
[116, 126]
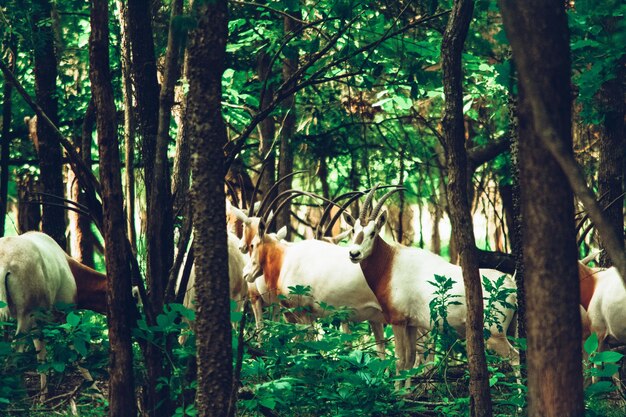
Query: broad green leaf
[591, 344]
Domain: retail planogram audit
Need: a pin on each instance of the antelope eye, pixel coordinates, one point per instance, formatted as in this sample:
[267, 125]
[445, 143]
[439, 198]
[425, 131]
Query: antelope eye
[373, 234]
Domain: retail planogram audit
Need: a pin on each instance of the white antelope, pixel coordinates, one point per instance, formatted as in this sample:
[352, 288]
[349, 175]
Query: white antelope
[35, 273]
[399, 277]
[607, 308]
[324, 268]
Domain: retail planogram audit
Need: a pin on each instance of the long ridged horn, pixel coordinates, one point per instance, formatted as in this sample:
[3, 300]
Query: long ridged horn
[382, 201]
[320, 230]
[264, 206]
[293, 194]
[356, 195]
[364, 218]
[255, 191]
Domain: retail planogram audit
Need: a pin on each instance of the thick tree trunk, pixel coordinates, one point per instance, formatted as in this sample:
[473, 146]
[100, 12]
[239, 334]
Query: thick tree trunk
[49, 150]
[5, 139]
[207, 132]
[539, 38]
[285, 164]
[129, 125]
[119, 299]
[460, 216]
[612, 148]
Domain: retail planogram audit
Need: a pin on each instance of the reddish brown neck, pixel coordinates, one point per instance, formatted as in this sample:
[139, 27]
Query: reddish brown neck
[271, 259]
[91, 287]
[588, 281]
[377, 269]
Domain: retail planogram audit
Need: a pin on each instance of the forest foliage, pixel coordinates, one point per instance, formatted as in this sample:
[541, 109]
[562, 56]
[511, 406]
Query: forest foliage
[362, 105]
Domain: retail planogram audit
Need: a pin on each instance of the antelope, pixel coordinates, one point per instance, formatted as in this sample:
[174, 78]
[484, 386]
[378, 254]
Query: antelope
[606, 309]
[399, 277]
[35, 273]
[320, 265]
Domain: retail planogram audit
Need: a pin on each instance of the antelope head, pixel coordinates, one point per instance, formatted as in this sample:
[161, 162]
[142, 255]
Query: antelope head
[262, 248]
[368, 226]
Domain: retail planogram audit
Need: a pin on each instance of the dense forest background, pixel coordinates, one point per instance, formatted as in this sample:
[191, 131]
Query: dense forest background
[121, 121]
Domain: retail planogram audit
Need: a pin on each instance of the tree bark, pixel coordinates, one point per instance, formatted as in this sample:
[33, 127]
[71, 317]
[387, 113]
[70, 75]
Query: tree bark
[539, 38]
[611, 163]
[5, 140]
[49, 150]
[266, 127]
[460, 216]
[129, 125]
[82, 239]
[285, 164]
[119, 299]
[207, 132]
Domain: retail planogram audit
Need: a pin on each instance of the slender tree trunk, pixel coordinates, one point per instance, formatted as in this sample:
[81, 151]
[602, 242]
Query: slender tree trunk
[182, 159]
[266, 127]
[539, 39]
[81, 238]
[612, 149]
[86, 243]
[285, 165]
[50, 162]
[119, 299]
[5, 140]
[521, 128]
[158, 240]
[207, 54]
[129, 125]
[460, 216]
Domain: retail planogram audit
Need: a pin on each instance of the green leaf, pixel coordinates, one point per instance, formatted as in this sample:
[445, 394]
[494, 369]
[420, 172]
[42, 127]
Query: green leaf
[591, 344]
[268, 403]
[607, 357]
[599, 388]
[73, 319]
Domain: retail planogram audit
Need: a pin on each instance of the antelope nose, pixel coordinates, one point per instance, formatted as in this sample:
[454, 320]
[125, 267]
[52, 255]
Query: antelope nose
[354, 254]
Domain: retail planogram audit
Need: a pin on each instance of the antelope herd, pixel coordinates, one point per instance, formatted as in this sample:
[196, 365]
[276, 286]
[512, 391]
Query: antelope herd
[374, 278]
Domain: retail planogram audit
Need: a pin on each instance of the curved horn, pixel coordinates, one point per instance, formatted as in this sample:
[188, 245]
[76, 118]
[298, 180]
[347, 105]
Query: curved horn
[232, 192]
[294, 194]
[342, 209]
[267, 195]
[256, 190]
[382, 201]
[320, 230]
[363, 218]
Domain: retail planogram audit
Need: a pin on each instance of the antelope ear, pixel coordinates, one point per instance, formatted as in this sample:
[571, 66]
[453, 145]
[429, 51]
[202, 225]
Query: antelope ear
[261, 231]
[240, 215]
[381, 220]
[282, 233]
[348, 219]
[255, 208]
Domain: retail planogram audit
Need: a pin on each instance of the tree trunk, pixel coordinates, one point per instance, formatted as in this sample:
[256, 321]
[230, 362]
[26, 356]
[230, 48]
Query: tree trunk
[158, 239]
[539, 38]
[612, 148]
[49, 150]
[5, 140]
[207, 132]
[285, 164]
[460, 216]
[81, 238]
[86, 243]
[119, 299]
[129, 125]
[266, 127]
